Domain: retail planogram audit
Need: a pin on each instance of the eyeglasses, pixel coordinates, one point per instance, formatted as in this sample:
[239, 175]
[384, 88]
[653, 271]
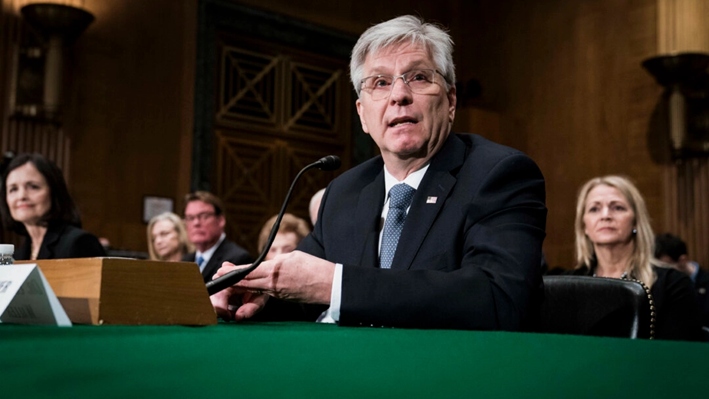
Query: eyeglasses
[420, 81]
[202, 217]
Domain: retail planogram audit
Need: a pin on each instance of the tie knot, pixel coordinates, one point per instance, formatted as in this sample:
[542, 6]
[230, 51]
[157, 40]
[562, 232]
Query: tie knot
[400, 196]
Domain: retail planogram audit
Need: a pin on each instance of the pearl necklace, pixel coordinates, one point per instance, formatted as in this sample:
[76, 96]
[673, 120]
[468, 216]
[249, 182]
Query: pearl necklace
[623, 276]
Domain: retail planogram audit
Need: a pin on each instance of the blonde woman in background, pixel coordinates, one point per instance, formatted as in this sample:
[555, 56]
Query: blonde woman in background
[290, 232]
[614, 239]
[167, 238]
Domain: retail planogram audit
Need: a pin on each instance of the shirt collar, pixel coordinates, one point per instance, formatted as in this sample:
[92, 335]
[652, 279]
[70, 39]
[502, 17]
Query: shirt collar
[208, 253]
[695, 271]
[413, 180]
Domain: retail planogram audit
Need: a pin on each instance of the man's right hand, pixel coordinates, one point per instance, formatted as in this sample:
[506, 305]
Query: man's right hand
[235, 303]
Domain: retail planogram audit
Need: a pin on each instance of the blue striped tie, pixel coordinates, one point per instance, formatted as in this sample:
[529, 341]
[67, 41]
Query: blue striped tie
[400, 197]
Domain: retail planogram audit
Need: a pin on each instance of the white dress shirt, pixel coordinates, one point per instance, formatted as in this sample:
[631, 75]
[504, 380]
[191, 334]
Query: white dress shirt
[332, 314]
[207, 255]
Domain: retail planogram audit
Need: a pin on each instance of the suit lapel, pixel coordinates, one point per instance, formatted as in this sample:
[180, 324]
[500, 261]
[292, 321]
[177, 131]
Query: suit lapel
[49, 243]
[369, 208]
[214, 262]
[428, 201]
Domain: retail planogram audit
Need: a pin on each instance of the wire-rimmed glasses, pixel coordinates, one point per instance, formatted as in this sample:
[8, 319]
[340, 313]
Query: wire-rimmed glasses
[420, 81]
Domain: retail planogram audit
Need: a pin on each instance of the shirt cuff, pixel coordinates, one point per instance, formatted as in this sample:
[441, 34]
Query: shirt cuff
[336, 293]
[332, 314]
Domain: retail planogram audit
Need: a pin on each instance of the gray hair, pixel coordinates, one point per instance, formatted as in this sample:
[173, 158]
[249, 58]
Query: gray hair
[404, 29]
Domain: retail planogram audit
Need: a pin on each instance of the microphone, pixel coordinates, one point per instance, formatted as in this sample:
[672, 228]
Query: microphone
[327, 163]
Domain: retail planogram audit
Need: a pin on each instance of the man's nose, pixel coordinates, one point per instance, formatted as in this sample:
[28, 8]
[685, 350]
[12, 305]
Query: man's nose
[400, 91]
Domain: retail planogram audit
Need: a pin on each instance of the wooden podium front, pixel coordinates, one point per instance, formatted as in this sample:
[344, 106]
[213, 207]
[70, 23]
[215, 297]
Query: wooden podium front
[129, 291]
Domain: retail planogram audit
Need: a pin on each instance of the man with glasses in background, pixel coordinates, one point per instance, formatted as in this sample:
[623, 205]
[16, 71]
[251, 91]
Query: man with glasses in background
[205, 221]
[440, 231]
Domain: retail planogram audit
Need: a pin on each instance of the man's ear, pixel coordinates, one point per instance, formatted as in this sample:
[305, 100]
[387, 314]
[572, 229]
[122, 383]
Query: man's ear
[360, 112]
[452, 102]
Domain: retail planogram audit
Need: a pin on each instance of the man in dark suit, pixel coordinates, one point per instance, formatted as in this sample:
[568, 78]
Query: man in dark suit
[204, 220]
[468, 253]
[671, 249]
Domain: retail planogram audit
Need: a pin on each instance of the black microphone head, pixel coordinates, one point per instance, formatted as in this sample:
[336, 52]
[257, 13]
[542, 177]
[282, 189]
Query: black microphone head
[330, 162]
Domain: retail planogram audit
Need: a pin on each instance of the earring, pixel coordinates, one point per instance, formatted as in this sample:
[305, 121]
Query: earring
[635, 231]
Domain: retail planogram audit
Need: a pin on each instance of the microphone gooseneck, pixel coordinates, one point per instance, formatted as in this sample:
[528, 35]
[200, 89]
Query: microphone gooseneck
[327, 163]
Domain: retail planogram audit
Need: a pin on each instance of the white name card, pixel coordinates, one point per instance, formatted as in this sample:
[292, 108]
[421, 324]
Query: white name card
[27, 298]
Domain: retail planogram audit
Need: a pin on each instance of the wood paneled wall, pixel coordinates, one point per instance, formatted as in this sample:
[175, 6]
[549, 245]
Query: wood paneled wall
[26, 135]
[566, 80]
[683, 27]
[127, 112]
[566, 76]
[686, 192]
[9, 33]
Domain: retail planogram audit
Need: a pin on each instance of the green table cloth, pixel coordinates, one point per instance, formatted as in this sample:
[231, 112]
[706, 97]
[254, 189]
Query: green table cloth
[308, 360]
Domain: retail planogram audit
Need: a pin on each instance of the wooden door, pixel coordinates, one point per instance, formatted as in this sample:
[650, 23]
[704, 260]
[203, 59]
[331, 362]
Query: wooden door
[277, 110]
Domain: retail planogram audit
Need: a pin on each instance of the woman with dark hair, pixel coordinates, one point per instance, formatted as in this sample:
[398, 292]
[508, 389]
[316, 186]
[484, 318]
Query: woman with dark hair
[37, 204]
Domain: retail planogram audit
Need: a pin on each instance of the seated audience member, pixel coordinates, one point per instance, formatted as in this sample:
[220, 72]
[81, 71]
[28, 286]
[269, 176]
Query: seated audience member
[37, 204]
[314, 206]
[205, 222]
[672, 250]
[470, 249]
[291, 231]
[167, 238]
[614, 239]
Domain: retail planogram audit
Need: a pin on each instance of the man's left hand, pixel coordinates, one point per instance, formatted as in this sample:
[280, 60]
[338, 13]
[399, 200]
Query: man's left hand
[295, 276]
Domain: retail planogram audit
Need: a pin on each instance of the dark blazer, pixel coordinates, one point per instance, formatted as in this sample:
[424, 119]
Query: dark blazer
[227, 251]
[675, 304]
[701, 284]
[469, 254]
[63, 241]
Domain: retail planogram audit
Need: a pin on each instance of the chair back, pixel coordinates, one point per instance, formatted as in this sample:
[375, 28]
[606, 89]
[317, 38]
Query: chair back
[597, 306]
